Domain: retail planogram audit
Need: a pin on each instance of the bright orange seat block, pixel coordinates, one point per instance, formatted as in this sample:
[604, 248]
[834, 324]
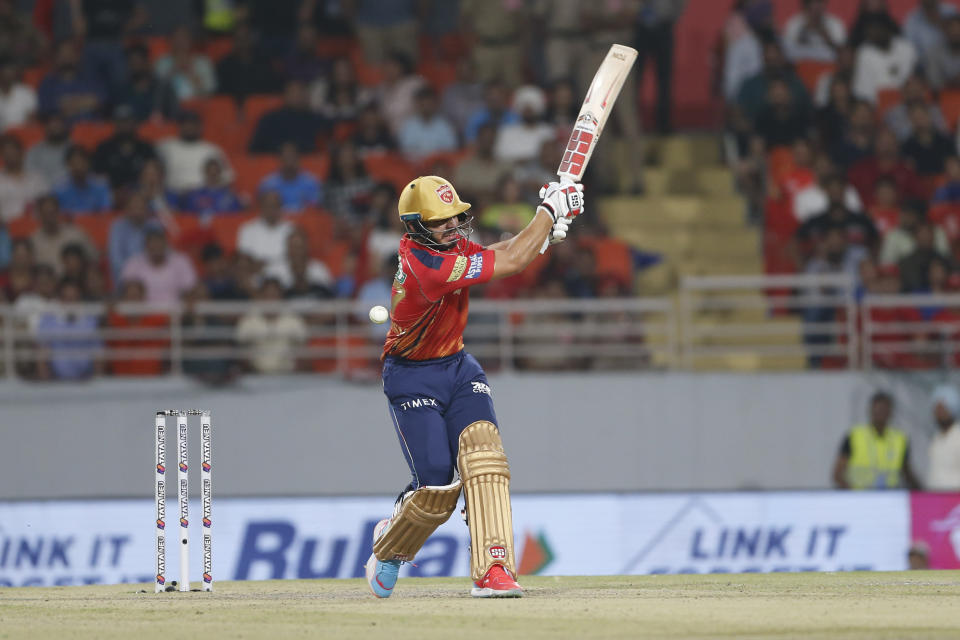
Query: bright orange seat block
[225, 229]
[153, 131]
[810, 71]
[318, 225]
[97, 226]
[91, 134]
[21, 227]
[886, 100]
[950, 107]
[250, 169]
[158, 46]
[218, 48]
[28, 134]
[258, 104]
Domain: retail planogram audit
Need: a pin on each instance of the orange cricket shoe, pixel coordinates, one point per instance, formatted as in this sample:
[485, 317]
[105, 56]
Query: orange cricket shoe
[497, 583]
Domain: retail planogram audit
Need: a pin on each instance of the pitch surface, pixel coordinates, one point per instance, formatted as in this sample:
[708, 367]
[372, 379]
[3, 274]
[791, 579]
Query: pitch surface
[830, 605]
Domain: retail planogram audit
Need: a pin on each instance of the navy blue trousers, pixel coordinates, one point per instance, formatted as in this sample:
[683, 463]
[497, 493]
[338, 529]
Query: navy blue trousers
[431, 402]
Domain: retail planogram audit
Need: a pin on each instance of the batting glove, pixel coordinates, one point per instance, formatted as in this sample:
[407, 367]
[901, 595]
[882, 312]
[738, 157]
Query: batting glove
[564, 202]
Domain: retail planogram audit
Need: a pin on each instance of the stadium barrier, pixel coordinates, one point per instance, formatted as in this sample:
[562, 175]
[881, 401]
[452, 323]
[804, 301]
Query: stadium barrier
[787, 322]
[49, 543]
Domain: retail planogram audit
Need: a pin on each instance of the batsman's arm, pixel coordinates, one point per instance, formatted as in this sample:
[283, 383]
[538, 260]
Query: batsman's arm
[512, 256]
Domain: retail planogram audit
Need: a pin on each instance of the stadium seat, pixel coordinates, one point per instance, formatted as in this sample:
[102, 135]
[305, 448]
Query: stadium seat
[367, 74]
[34, 75]
[21, 227]
[318, 225]
[218, 48]
[158, 46]
[950, 107]
[90, 134]
[438, 74]
[780, 162]
[810, 71]
[886, 100]
[389, 167]
[154, 130]
[97, 226]
[28, 134]
[317, 164]
[258, 104]
[250, 169]
[225, 229]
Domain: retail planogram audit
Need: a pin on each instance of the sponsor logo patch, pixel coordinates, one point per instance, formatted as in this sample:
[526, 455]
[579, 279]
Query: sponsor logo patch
[459, 266]
[418, 402]
[401, 276]
[476, 266]
[499, 553]
[445, 193]
[480, 387]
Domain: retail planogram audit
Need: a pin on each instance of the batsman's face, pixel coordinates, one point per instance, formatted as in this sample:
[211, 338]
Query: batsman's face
[444, 231]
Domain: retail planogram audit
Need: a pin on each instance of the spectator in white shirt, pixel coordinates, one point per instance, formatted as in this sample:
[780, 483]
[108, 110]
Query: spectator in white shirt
[18, 187]
[265, 238]
[944, 449]
[18, 101]
[185, 156]
[813, 34]
[272, 335]
[884, 61]
[521, 141]
[942, 63]
[426, 131]
[923, 26]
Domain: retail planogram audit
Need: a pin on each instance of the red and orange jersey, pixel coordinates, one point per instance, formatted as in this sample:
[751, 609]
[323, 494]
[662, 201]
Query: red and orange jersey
[431, 298]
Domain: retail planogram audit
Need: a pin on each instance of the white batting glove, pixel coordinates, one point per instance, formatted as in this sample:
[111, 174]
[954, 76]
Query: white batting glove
[564, 202]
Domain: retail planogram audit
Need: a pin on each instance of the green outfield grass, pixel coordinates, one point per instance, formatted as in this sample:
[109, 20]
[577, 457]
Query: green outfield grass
[828, 605]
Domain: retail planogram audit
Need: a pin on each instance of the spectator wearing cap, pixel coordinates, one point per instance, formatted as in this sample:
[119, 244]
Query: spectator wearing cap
[127, 234]
[184, 156]
[813, 34]
[82, 192]
[68, 90]
[190, 73]
[944, 448]
[215, 196]
[265, 238]
[121, 156]
[148, 96]
[915, 93]
[54, 233]
[495, 110]
[297, 187]
[875, 455]
[522, 140]
[19, 187]
[426, 131]
[291, 122]
[943, 61]
[18, 101]
[925, 25]
[884, 61]
[49, 156]
[166, 274]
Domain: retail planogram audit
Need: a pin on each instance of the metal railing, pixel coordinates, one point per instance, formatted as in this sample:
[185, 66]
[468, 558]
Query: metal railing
[715, 322]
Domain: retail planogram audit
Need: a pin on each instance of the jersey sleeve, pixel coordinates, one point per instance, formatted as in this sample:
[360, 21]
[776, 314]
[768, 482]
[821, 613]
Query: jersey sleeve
[439, 274]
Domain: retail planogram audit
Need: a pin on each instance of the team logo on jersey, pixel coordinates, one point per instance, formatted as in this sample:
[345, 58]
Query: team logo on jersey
[401, 276]
[476, 266]
[459, 266]
[445, 193]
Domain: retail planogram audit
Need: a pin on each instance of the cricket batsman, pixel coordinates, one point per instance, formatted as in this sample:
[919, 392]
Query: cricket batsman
[438, 394]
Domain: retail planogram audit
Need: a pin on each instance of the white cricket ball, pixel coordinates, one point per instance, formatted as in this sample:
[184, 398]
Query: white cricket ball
[379, 314]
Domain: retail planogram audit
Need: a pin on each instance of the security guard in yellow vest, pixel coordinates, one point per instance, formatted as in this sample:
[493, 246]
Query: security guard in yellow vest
[875, 455]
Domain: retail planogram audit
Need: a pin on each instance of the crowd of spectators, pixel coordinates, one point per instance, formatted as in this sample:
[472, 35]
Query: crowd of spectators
[844, 139]
[253, 151]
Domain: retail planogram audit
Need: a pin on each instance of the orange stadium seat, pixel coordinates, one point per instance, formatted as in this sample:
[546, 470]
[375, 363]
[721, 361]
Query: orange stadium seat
[218, 48]
[336, 47]
[438, 74]
[950, 106]
[90, 134]
[258, 104]
[34, 75]
[318, 225]
[97, 226]
[367, 74]
[389, 167]
[28, 134]
[779, 162]
[250, 169]
[159, 46]
[317, 164]
[886, 100]
[225, 229]
[21, 227]
[810, 71]
[154, 130]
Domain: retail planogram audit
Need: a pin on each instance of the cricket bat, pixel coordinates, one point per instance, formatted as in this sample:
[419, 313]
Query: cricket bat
[594, 112]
